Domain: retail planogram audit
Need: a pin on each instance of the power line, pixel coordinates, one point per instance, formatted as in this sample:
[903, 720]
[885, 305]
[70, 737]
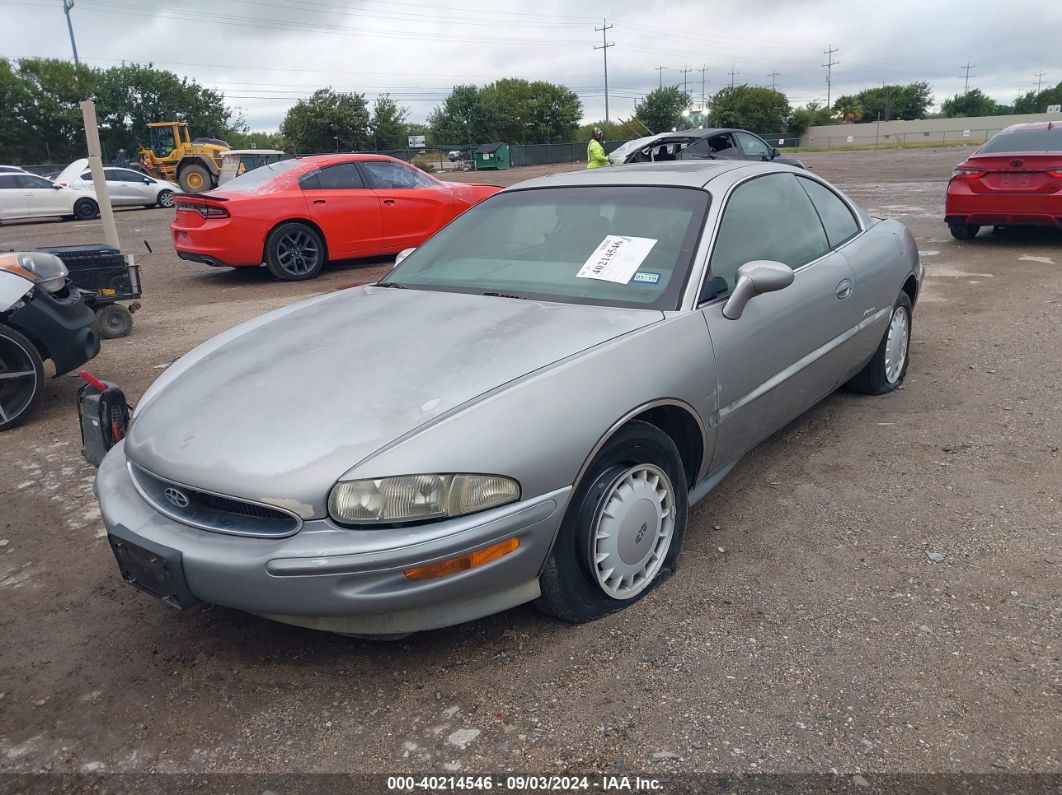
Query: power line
[773, 75]
[605, 44]
[702, 70]
[732, 73]
[1040, 80]
[685, 71]
[660, 74]
[967, 68]
[830, 63]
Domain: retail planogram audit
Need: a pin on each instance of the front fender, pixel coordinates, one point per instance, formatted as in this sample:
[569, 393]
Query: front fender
[13, 289]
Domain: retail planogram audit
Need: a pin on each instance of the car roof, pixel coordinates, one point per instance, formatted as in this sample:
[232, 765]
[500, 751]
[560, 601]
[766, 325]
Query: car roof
[1032, 125]
[677, 173]
[325, 159]
[251, 152]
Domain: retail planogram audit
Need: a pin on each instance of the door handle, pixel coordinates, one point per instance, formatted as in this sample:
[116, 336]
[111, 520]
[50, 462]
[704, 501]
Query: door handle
[844, 289]
[318, 201]
[388, 201]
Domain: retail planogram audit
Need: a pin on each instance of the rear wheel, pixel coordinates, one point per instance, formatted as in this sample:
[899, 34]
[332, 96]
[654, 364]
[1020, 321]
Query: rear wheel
[622, 533]
[85, 209]
[964, 231]
[115, 321]
[21, 377]
[294, 252]
[886, 371]
[194, 179]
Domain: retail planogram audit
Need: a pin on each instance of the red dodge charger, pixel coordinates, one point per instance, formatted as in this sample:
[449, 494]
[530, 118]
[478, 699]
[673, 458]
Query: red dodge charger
[297, 214]
[1013, 180]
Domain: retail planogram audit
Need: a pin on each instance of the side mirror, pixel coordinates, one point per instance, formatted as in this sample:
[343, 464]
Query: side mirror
[403, 254]
[774, 153]
[147, 181]
[56, 186]
[755, 278]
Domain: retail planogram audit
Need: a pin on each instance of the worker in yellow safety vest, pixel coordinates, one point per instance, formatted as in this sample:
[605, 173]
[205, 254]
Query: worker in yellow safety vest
[595, 152]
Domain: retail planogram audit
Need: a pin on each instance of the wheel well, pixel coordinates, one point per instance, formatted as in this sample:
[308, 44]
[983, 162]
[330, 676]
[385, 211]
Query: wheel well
[306, 222]
[911, 288]
[89, 199]
[684, 431]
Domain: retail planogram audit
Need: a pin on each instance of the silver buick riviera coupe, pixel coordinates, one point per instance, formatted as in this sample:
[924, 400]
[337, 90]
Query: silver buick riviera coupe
[523, 410]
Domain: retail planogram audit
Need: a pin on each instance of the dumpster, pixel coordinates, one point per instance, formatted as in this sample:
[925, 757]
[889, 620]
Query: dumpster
[492, 156]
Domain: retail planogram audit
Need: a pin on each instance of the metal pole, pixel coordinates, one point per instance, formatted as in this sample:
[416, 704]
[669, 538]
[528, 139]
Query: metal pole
[99, 182]
[67, 5]
[605, 44]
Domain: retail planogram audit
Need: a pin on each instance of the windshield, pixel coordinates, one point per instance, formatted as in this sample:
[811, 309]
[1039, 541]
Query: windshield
[1042, 140]
[623, 246]
[255, 178]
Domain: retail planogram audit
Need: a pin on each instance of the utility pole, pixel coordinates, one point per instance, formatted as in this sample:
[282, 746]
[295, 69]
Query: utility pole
[685, 71]
[660, 74]
[828, 66]
[605, 44]
[67, 5]
[702, 70]
[732, 73]
[773, 75]
[967, 68]
[1040, 80]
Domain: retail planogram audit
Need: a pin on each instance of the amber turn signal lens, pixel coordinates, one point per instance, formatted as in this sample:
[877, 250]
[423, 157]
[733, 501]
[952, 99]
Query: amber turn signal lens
[463, 563]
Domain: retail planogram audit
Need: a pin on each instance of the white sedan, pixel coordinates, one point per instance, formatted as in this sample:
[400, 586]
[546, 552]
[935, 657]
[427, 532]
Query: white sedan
[29, 196]
[126, 187]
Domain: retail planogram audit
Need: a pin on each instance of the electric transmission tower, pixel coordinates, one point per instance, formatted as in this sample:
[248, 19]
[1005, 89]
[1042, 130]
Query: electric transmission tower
[828, 66]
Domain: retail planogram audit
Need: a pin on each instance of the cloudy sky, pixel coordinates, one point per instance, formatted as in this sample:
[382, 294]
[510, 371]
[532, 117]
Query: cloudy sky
[266, 54]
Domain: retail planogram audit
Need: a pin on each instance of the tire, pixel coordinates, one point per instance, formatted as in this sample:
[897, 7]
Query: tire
[964, 231]
[165, 199]
[881, 374]
[294, 252]
[86, 209]
[576, 584]
[194, 178]
[115, 321]
[18, 393]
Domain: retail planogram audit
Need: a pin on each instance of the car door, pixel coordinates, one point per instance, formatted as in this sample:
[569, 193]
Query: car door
[140, 189]
[12, 202]
[753, 146]
[780, 357]
[346, 210]
[414, 205]
[42, 197]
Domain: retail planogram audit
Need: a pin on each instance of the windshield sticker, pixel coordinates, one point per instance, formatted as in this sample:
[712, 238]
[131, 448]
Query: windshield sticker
[645, 277]
[617, 258]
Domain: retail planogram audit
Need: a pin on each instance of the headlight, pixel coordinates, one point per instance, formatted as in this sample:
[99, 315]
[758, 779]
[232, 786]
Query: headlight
[416, 498]
[46, 271]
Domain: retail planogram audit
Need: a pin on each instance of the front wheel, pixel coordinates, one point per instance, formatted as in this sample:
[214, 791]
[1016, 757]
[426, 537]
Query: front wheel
[21, 377]
[964, 231]
[86, 209]
[294, 252]
[886, 371]
[622, 533]
[165, 198]
[194, 179]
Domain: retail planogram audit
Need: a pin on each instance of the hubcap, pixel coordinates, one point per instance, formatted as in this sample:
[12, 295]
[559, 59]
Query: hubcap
[632, 531]
[18, 380]
[896, 345]
[167, 199]
[195, 180]
[297, 253]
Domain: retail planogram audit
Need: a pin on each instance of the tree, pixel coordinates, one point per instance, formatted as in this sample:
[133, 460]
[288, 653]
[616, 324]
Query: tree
[612, 131]
[511, 110]
[762, 110]
[1033, 102]
[661, 110]
[257, 140]
[972, 103]
[848, 109]
[890, 102]
[388, 124]
[810, 115]
[327, 122]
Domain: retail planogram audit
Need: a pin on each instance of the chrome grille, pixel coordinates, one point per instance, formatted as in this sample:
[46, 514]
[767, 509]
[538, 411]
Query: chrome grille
[214, 512]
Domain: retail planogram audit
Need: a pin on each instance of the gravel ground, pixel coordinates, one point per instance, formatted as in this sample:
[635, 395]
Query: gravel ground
[875, 589]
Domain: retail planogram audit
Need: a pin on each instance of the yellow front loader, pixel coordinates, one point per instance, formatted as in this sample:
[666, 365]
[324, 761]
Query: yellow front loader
[173, 155]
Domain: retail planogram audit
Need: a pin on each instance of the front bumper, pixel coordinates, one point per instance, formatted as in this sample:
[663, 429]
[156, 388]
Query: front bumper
[62, 324]
[339, 580]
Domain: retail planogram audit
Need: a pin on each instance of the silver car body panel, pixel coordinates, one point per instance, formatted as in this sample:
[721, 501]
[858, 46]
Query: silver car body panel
[372, 382]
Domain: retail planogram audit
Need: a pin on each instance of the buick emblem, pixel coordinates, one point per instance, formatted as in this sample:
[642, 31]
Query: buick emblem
[177, 497]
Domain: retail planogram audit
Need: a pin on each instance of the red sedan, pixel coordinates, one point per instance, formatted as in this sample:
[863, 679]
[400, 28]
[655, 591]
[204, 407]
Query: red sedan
[1013, 180]
[297, 214]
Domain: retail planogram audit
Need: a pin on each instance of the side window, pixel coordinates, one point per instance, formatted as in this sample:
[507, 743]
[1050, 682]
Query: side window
[8, 182]
[343, 176]
[113, 175]
[723, 144]
[385, 174]
[125, 175]
[840, 224]
[87, 176]
[769, 218]
[753, 146]
[33, 181]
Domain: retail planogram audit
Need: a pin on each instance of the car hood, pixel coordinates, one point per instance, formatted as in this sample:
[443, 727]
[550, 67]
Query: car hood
[277, 409]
